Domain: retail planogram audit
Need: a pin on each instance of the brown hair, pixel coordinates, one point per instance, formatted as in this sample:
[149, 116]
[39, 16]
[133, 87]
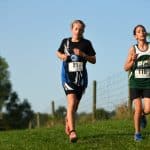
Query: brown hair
[78, 21]
[134, 30]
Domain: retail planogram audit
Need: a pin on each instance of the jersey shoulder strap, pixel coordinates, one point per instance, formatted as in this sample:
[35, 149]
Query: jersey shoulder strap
[136, 48]
[66, 47]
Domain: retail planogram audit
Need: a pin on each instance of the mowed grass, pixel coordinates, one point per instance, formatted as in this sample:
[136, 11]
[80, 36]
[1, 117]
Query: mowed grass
[102, 135]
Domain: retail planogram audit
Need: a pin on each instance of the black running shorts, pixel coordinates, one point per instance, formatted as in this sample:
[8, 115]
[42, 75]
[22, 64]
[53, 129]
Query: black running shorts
[70, 88]
[139, 93]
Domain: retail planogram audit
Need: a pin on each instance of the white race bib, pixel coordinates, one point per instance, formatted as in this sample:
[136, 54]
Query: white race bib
[75, 66]
[142, 73]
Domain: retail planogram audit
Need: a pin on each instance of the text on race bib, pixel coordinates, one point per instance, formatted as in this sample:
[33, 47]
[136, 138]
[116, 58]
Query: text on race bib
[75, 66]
[142, 73]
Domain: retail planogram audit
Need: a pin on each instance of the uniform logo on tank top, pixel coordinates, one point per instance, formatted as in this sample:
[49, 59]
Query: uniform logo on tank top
[74, 57]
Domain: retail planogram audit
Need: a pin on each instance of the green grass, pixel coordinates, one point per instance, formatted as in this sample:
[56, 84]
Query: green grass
[102, 135]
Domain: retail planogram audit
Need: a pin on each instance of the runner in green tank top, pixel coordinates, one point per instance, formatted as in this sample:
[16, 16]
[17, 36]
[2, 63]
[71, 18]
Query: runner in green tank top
[138, 65]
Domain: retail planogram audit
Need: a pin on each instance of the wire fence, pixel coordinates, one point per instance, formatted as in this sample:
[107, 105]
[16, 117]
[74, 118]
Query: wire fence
[111, 92]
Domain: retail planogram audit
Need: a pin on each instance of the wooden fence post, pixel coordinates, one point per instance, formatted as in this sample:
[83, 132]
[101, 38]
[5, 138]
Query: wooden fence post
[53, 108]
[30, 124]
[53, 113]
[38, 119]
[94, 100]
[129, 99]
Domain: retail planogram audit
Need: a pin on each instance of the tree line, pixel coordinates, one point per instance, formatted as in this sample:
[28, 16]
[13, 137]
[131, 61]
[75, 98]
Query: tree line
[17, 114]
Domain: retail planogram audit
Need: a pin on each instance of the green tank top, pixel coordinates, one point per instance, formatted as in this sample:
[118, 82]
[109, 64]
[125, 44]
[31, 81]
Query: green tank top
[139, 76]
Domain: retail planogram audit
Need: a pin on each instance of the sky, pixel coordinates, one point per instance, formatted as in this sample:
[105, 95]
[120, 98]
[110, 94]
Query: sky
[31, 32]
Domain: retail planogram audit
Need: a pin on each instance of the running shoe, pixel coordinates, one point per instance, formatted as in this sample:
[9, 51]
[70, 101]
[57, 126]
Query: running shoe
[138, 137]
[73, 136]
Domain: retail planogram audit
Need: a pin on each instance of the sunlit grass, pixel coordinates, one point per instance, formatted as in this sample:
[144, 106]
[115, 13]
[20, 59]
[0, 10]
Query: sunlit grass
[105, 135]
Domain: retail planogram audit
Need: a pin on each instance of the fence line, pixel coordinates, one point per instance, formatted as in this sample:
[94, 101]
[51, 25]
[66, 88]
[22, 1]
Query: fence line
[111, 92]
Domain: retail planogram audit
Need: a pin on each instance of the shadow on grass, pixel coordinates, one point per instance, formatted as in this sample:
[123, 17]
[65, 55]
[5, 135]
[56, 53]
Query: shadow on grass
[110, 137]
[106, 135]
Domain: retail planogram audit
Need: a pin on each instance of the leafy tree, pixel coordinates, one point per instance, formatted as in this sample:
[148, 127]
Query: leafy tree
[60, 112]
[5, 85]
[18, 114]
[26, 113]
[13, 115]
[102, 114]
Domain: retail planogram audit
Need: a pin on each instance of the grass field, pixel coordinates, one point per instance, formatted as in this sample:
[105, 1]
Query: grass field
[102, 135]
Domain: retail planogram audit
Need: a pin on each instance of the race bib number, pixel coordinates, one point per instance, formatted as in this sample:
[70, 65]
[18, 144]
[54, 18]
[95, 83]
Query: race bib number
[75, 66]
[142, 73]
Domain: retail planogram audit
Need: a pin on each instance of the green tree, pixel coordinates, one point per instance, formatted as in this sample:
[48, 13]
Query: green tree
[12, 110]
[26, 113]
[102, 114]
[5, 84]
[60, 112]
[18, 114]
